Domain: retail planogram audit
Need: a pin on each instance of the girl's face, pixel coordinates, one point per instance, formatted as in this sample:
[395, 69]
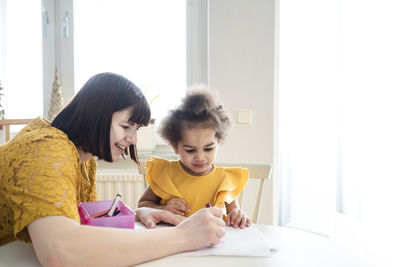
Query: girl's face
[197, 150]
[122, 133]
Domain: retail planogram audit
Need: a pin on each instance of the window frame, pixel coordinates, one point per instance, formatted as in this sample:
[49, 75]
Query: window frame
[58, 50]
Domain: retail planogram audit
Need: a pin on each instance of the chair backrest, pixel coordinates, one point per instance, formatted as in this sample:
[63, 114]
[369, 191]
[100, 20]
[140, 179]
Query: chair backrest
[8, 122]
[142, 170]
[261, 172]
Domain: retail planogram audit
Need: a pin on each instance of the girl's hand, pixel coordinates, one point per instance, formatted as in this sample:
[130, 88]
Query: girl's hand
[177, 206]
[237, 218]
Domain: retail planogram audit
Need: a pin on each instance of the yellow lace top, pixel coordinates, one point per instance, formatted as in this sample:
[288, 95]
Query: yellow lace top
[41, 175]
[168, 179]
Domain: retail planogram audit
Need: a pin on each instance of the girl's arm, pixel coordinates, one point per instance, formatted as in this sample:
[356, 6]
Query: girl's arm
[175, 205]
[236, 217]
[150, 200]
[61, 241]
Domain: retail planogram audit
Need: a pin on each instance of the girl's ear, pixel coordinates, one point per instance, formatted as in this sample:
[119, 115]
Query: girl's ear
[175, 147]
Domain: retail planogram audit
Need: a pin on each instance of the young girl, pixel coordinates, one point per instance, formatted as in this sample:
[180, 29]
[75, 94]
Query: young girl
[195, 130]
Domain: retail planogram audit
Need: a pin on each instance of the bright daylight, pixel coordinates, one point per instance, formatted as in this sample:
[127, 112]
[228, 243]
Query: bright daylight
[199, 133]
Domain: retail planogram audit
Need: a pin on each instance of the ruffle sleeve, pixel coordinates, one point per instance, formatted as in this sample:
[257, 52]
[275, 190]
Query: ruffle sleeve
[235, 179]
[157, 177]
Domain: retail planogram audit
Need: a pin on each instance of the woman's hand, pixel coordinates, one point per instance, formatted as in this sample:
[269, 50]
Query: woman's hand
[202, 229]
[237, 218]
[150, 217]
[177, 206]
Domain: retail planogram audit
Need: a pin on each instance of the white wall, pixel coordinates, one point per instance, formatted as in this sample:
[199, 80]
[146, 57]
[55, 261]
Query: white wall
[241, 67]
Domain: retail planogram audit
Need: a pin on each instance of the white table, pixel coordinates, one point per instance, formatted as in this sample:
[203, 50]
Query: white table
[296, 248]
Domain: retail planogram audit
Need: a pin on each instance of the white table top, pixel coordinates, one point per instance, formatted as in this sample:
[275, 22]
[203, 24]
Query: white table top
[296, 248]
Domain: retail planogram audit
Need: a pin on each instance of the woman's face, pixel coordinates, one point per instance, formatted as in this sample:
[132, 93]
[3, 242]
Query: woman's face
[122, 133]
[197, 150]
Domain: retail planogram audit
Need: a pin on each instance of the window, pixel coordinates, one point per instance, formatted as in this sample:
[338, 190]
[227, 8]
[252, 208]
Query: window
[339, 136]
[21, 58]
[308, 120]
[160, 45]
[142, 40]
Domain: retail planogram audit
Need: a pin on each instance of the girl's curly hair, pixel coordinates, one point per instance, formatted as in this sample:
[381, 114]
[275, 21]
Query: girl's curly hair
[199, 108]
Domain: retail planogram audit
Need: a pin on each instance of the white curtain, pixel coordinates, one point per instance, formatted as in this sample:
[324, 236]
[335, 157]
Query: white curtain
[339, 117]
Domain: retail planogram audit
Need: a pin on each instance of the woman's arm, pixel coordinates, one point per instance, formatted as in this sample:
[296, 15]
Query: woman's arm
[150, 217]
[175, 205]
[61, 241]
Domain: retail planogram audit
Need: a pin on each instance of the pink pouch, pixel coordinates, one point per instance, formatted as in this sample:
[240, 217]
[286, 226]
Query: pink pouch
[124, 219]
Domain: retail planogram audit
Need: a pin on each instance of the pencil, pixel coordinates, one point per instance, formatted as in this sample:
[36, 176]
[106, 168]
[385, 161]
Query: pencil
[114, 205]
[101, 213]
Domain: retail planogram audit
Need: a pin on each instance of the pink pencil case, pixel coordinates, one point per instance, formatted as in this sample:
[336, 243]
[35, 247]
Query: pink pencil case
[124, 219]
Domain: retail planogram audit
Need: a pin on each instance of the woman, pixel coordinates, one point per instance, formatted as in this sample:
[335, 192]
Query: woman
[47, 169]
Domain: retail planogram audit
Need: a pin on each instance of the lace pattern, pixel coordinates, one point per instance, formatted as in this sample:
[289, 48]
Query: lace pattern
[41, 175]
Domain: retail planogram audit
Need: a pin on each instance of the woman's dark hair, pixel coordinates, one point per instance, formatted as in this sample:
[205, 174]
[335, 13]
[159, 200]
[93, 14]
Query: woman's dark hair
[87, 118]
[199, 108]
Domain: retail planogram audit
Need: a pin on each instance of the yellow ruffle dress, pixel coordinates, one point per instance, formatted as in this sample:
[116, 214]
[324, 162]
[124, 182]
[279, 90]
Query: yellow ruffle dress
[168, 180]
[41, 175]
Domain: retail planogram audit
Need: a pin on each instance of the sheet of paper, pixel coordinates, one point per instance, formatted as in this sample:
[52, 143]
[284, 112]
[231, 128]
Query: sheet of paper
[238, 242]
[250, 242]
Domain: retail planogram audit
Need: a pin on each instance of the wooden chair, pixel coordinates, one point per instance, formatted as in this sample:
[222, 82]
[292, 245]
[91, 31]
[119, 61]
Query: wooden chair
[8, 122]
[142, 171]
[261, 172]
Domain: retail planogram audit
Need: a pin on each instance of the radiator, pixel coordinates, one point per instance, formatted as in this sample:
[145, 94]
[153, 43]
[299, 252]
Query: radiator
[111, 182]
